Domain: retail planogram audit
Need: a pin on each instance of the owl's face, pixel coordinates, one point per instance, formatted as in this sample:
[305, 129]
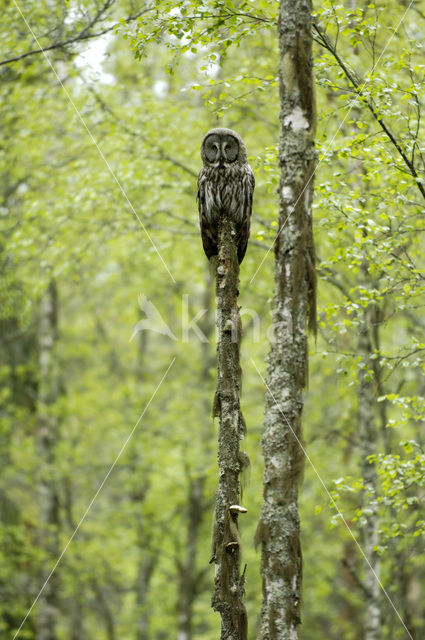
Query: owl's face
[223, 147]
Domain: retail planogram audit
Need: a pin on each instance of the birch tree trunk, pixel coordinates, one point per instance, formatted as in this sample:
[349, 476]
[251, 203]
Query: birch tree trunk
[228, 583]
[294, 309]
[48, 391]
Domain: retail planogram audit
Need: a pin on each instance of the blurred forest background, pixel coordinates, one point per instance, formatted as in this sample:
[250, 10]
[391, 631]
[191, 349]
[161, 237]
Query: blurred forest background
[98, 164]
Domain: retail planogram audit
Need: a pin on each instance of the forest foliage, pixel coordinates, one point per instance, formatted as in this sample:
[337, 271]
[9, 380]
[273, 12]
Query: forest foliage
[98, 166]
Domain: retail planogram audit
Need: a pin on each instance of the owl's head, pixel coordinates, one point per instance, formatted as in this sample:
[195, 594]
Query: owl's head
[222, 147]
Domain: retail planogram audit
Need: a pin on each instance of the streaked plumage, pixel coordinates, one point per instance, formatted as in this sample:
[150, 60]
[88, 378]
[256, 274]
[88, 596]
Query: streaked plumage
[225, 184]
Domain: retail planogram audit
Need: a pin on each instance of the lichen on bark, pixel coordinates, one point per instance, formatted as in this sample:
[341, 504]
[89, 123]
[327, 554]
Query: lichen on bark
[228, 593]
[294, 311]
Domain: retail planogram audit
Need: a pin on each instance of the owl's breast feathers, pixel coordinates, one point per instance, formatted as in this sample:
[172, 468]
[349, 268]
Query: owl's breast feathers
[229, 191]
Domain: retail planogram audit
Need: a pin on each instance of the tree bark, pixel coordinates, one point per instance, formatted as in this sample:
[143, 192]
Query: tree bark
[294, 309]
[228, 583]
[48, 391]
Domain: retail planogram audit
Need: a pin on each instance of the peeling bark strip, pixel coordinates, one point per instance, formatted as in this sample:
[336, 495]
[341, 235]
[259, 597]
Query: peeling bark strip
[294, 308]
[228, 583]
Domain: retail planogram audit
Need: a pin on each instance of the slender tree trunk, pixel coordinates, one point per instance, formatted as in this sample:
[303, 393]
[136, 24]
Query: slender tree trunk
[145, 570]
[400, 571]
[147, 556]
[370, 383]
[405, 582]
[293, 310]
[228, 584]
[368, 446]
[75, 619]
[74, 605]
[104, 610]
[48, 391]
[190, 577]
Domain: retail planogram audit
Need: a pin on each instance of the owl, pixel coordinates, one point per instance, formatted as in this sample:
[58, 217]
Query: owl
[225, 185]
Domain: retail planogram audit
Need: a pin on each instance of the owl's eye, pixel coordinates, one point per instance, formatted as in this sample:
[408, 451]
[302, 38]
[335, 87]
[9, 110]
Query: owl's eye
[230, 149]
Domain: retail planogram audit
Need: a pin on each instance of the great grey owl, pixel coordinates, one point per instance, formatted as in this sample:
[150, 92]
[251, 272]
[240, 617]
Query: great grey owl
[225, 185]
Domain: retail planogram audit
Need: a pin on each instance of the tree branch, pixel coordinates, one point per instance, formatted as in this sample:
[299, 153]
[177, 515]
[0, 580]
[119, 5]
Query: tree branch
[326, 43]
[84, 34]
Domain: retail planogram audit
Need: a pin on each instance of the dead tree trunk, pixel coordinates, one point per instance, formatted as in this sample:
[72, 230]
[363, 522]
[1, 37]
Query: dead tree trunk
[293, 310]
[228, 584]
[48, 391]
